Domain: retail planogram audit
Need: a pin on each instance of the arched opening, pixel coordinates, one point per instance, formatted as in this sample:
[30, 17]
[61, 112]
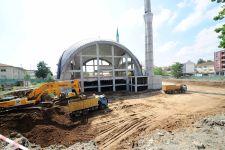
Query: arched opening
[91, 68]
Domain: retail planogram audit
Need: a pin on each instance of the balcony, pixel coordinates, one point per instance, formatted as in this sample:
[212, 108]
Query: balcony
[223, 60]
[222, 54]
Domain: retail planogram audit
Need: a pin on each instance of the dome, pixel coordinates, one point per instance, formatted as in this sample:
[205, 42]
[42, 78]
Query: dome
[82, 52]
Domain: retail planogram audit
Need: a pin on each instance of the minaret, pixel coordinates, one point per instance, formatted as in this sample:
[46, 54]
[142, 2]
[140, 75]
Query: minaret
[148, 16]
[117, 36]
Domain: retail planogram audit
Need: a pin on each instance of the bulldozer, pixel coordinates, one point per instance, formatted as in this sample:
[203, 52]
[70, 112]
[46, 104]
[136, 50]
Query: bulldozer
[65, 95]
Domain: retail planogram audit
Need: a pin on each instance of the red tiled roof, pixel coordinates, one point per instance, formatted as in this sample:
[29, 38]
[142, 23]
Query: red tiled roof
[205, 64]
[4, 65]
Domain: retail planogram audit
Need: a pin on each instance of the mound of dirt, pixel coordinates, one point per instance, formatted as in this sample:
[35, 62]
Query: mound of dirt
[20, 139]
[130, 118]
[45, 131]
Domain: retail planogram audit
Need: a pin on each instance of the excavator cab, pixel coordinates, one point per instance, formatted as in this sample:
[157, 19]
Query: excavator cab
[103, 102]
[76, 86]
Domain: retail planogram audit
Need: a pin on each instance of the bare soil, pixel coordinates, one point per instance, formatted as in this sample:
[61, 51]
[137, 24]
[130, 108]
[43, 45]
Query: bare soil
[130, 117]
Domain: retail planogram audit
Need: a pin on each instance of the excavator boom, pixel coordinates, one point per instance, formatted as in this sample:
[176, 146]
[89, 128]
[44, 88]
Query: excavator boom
[65, 95]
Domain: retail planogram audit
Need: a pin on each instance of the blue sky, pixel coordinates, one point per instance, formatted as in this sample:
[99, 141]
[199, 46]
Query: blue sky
[34, 30]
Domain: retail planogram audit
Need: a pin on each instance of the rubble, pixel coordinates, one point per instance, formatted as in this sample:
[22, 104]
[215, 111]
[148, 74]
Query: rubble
[205, 134]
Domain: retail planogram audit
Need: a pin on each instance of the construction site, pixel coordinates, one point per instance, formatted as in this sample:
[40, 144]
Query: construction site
[128, 118]
[104, 99]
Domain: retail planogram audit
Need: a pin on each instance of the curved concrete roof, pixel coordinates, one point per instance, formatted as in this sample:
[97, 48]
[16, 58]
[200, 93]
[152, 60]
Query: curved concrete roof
[75, 49]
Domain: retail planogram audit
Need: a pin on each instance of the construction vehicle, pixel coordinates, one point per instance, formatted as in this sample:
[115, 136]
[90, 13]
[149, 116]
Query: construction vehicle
[173, 88]
[65, 95]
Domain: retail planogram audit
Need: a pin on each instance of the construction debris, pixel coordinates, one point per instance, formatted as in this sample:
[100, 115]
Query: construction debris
[205, 134]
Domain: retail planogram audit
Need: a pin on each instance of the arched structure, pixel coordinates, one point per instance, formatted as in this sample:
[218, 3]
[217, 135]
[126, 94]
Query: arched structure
[100, 61]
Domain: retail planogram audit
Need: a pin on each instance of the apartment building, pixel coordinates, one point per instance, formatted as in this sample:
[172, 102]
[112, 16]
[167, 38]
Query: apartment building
[205, 69]
[219, 65]
[11, 72]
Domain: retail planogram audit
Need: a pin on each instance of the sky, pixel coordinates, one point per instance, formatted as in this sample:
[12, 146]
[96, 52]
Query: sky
[41, 30]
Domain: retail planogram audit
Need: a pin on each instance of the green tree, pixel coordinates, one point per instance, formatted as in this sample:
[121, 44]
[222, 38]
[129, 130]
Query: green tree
[176, 70]
[49, 78]
[159, 71]
[42, 70]
[220, 30]
[27, 77]
[200, 61]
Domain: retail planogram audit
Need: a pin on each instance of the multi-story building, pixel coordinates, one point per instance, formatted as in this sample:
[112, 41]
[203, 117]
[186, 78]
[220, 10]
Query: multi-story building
[11, 72]
[205, 69]
[31, 73]
[189, 68]
[219, 65]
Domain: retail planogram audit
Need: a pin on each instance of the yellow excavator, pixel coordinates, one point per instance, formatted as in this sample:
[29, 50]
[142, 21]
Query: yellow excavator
[62, 94]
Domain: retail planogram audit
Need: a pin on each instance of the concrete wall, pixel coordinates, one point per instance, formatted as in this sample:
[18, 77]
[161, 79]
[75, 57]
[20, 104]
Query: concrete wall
[155, 82]
[9, 72]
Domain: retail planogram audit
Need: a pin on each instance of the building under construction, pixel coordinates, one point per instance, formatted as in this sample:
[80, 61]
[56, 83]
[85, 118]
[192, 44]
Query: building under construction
[103, 65]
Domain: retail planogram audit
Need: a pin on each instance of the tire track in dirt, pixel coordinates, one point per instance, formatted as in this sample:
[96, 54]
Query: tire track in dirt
[129, 127]
[114, 135]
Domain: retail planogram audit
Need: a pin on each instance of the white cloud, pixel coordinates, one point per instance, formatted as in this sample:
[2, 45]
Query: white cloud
[206, 42]
[200, 13]
[162, 16]
[169, 46]
[183, 4]
[53, 26]
[132, 18]
[50, 27]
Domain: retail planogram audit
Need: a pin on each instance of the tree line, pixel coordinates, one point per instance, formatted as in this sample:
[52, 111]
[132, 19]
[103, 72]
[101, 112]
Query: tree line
[43, 72]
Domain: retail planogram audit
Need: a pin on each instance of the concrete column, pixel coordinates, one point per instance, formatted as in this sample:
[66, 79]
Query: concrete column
[127, 81]
[131, 83]
[101, 65]
[81, 73]
[93, 67]
[136, 90]
[113, 69]
[97, 53]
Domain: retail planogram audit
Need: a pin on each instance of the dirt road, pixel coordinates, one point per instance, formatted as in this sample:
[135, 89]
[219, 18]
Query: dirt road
[132, 117]
[140, 115]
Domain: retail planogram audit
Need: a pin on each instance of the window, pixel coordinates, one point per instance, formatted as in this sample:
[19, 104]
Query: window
[3, 77]
[3, 70]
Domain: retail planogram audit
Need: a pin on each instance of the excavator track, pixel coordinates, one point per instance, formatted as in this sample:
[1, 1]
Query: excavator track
[27, 108]
[18, 110]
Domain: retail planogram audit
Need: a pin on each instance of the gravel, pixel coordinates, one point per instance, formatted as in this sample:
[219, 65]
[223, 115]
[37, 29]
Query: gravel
[77, 146]
[205, 134]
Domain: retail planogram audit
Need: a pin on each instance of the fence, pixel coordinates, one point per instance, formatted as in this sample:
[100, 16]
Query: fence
[15, 82]
[203, 78]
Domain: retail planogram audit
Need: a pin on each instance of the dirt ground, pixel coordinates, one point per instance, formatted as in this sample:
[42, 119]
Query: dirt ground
[129, 118]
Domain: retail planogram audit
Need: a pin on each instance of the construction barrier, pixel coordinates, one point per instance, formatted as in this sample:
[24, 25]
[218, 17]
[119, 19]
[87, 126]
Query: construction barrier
[16, 145]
